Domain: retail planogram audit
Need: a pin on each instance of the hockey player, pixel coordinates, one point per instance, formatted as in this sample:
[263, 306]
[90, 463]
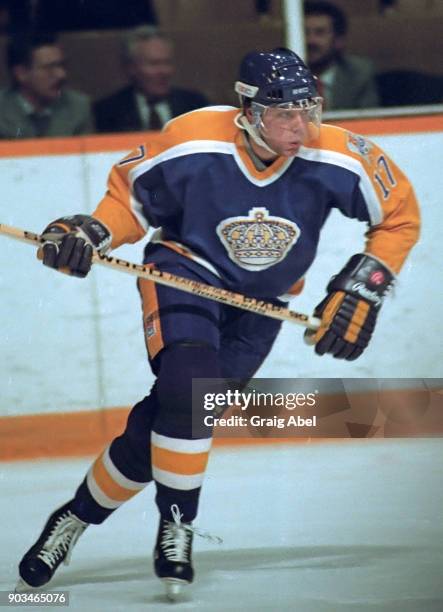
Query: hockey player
[239, 197]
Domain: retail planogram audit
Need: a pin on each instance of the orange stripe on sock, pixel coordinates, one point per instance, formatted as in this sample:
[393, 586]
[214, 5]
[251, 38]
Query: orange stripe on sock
[179, 463]
[108, 485]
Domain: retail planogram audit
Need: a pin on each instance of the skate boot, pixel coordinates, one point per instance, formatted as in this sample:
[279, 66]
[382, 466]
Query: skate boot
[53, 547]
[172, 554]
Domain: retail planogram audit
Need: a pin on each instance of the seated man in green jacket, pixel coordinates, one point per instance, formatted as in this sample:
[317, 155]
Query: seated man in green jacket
[37, 104]
[345, 81]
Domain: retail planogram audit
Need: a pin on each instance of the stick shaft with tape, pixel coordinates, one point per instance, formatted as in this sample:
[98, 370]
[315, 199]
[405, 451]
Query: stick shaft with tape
[203, 290]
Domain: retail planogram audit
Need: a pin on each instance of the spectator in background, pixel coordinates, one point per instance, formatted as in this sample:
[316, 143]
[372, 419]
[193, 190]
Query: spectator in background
[149, 101]
[346, 81]
[37, 104]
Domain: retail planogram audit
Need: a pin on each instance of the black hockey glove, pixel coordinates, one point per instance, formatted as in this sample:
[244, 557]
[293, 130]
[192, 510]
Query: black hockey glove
[349, 311]
[69, 243]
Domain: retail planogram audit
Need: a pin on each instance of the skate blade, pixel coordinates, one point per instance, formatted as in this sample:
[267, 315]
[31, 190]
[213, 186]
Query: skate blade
[24, 587]
[174, 588]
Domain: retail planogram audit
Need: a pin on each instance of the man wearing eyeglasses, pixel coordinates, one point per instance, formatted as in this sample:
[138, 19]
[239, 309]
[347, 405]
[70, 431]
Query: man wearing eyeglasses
[38, 104]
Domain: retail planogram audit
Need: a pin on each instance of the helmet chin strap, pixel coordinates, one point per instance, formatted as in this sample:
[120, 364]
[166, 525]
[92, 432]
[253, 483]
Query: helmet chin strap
[242, 122]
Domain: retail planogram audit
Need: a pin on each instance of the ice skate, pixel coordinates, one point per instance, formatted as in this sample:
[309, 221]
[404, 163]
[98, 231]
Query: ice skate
[53, 547]
[172, 554]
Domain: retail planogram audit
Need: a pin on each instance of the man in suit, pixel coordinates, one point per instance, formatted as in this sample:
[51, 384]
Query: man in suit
[346, 81]
[149, 101]
[37, 104]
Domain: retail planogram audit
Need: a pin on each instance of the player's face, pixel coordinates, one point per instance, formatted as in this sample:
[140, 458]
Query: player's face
[321, 41]
[285, 130]
[43, 80]
[152, 67]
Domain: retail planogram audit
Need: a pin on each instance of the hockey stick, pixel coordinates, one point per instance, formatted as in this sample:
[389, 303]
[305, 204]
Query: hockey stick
[183, 284]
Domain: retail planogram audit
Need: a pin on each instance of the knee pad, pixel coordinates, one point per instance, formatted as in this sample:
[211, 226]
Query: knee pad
[178, 365]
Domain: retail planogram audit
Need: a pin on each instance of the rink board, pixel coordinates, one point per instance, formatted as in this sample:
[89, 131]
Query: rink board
[72, 347]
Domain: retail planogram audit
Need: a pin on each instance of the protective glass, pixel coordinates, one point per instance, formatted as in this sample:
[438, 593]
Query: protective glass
[283, 114]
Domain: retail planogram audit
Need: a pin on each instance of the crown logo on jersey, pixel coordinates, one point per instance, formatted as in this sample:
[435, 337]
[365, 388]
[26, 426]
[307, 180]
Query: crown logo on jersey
[258, 241]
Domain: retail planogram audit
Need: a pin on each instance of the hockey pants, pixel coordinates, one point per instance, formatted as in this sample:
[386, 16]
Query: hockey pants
[187, 337]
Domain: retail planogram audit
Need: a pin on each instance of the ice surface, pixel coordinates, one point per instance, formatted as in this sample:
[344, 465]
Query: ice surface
[321, 527]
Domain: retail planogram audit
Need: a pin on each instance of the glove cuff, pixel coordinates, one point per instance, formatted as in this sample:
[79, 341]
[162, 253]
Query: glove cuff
[96, 232]
[365, 277]
[91, 229]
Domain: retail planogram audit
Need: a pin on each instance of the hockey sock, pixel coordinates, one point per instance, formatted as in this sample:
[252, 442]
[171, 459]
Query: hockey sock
[121, 471]
[178, 457]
